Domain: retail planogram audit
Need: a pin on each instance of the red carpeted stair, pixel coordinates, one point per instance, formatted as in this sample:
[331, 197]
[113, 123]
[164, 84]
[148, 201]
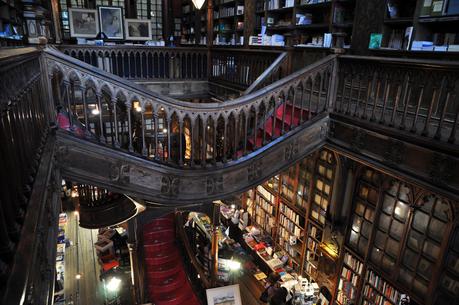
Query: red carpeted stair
[166, 277]
[289, 121]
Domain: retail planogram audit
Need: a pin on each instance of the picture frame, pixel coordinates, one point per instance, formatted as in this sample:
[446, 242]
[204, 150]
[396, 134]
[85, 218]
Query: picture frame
[111, 21]
[137, 29]
[84, 23]
[227, 295]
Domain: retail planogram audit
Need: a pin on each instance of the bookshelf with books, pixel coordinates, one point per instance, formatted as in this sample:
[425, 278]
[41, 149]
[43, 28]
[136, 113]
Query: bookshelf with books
[377, 291]
[437, 27]
[194, 25]
[349, 279]
[11, 30]
[228, 21]
[305, 172]
[314, 238]
[343, 19]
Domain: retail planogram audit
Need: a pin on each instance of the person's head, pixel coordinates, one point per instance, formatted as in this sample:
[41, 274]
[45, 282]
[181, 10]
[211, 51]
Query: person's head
[273, 278]
[279, 297]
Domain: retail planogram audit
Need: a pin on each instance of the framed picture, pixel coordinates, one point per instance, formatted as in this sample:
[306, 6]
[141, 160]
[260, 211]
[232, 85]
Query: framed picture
[227, 295]
[137, 29]
[84, 23]
[111, 21]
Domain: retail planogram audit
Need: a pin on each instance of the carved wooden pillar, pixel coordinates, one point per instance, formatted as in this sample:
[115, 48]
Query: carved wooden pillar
[69, 108]
[235, 133]
[193, 139]
[156, 116]
[181, 130]
[101, 120]
[115, 115]
[205, 133]
[214, 251]
[214, 141]
[246, 131]
[128, 109]
[225, 138]
[85, 106]
[144, 145]
[255, 130]
[169, 132]
[56, 21]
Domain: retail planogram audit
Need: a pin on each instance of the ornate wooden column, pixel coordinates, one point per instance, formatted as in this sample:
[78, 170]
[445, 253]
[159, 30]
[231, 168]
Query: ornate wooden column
[214, 251]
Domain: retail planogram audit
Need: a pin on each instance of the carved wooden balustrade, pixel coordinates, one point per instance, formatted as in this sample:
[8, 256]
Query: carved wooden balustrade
[240, 68]
[28, 200]
[144, 63]
[124, 115]
[412, 96]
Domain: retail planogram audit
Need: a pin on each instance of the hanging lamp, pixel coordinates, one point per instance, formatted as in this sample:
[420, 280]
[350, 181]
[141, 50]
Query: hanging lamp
[198, 3]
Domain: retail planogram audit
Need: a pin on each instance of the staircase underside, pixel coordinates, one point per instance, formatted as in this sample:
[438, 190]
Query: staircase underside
[118, 171]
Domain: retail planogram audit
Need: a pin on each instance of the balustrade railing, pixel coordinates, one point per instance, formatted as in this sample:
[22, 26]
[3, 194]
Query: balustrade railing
[421, 97]
[127, 116]
[26, 196]
[144, 63]
[240, 68]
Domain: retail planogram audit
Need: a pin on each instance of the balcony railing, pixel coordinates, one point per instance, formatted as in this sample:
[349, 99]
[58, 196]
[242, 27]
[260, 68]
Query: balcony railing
[125, 115]
[144, 63]
[237, 69]
[418, 97]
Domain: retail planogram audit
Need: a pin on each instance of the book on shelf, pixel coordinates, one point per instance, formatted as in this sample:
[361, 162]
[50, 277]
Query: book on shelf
[393, 10]
[438, 7]
[426, 7]
[375, 41]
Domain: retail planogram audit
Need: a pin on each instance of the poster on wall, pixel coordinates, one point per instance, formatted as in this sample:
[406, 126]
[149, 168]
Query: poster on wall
[84, 23]
[138, 29]
[111, 21]
[227, 295]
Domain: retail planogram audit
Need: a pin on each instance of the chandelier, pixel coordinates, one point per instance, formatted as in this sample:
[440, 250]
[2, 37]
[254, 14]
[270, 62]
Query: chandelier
[198, 3]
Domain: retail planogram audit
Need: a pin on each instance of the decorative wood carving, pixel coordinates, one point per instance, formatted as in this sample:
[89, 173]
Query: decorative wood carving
[292, 149]
[395, 153]
[441, 168]
[170, 186]
[214, 185]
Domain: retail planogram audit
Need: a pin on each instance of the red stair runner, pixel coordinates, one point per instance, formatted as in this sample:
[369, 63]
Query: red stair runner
[166, 276]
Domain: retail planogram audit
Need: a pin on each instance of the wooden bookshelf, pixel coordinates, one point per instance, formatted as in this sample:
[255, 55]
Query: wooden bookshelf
[194, 25]
[11, 31]
[378, 291]
[228, 21]
[349, 279]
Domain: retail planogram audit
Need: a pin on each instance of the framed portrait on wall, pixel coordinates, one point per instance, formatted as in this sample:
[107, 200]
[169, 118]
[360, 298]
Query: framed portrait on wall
[84, 23]
[111, 21]
[138, 29]
[227, 295]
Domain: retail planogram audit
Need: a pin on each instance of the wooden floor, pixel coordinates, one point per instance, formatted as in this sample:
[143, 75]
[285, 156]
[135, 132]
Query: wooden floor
[81, 258]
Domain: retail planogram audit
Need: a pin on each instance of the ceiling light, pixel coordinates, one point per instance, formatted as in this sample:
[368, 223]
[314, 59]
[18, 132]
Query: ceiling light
[164, 130]
[95, 111]
[198, 3]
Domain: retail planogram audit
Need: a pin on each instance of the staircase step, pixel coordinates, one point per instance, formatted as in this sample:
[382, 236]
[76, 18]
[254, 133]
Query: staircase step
[164, 270]
[180, 296]
[158, 236]
[158, 249]
[164, 257]
[169, 284]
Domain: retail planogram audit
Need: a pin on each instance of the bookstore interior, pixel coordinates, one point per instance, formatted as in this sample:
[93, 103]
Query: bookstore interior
[229, 152]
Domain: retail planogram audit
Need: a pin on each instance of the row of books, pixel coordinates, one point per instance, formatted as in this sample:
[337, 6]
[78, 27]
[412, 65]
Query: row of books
[294, 217]
[303, 2]
[348, 275]
[265, 193]
[346, 292]
[229, 11]
[266, 205]
[439, 7]
[322, 41]
[288, 224]
[263, 219]
[276, 4]
[379, 290]
[353, 263]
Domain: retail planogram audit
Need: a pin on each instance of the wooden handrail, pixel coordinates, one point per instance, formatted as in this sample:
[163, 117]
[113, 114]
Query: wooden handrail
[191, 255]
[267, 73]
